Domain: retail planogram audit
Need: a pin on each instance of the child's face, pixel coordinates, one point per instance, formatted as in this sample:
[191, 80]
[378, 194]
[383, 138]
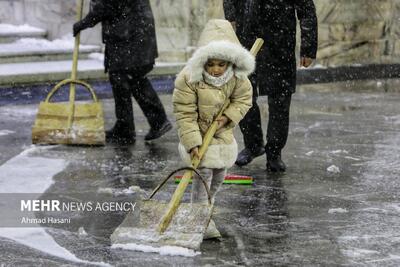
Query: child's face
[216, 67]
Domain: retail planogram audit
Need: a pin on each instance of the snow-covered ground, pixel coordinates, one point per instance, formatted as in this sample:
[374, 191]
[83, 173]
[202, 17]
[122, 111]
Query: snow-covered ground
[338, 204]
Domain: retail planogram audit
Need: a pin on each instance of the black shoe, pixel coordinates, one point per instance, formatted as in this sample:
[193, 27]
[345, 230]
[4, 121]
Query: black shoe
[155, 133]
[246, 156]
[276, 165]
[120, 134]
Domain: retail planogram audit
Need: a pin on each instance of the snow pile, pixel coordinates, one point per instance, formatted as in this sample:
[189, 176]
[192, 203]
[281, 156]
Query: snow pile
[66, 43]
[338, 210]
[8, 29]
[165, 250]
[96, 56]
[333, 169]
[35, 68]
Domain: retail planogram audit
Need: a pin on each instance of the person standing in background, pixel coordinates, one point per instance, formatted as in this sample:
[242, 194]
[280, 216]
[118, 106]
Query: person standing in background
[128, 33]
[275, 76]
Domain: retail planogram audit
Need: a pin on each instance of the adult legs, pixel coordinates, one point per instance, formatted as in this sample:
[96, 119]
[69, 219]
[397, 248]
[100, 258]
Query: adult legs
[278, 129]
[149, 102]
[124, 128]
[251, 129]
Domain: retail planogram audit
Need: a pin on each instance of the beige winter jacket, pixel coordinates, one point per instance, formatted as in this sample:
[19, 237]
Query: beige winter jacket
[196, 103]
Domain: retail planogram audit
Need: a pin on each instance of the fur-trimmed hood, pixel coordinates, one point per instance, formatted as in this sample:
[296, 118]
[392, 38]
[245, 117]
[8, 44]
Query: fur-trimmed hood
[219, 41]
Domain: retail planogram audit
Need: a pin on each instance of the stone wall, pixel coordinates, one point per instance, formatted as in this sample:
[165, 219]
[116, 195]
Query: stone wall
[55, 16]
[350, 31]
[358, 31]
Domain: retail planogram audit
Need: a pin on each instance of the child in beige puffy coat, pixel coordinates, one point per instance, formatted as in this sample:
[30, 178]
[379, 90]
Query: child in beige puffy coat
[217, 72]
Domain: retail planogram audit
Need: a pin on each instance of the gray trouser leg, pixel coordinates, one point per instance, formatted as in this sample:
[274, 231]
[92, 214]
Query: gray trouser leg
[213, 177]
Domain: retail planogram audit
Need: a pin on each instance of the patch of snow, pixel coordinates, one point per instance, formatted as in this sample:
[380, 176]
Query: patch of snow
[39, 239]
[108, 190]
[82, 232]
[165, 250]
[355, 159]
[65, 42]
[318, 66]
[357, 164]
[48, 67]
[6, 132]
[118, 192]
[309, 153]
[126, 168]
[18, 111]
[333, 169]
[337, 210]
[25, 28]
[357, 252]
[340, 151]
[36, 45]
[97, 56]
[29, 174]
[25, 174]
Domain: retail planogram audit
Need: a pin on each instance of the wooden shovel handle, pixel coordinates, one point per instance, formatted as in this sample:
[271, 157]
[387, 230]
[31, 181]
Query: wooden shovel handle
[208, 136]
[74, 72]
[256, 46]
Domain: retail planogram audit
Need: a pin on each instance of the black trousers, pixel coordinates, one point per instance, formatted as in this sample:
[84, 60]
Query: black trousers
[126, 84]
[278, 125]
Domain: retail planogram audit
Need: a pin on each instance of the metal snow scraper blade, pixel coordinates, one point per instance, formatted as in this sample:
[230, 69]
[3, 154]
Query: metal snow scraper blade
[158, 224]
[186, 227]
[70, 123]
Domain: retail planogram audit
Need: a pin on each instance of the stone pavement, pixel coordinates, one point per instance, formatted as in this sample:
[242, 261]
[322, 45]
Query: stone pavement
[338, 204]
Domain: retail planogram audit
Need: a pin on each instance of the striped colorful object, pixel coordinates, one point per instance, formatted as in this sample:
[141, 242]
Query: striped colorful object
[229, 179]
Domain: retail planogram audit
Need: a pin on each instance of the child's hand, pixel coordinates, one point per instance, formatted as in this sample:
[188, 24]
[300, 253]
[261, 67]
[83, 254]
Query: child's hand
[194, 152]
[222, 121]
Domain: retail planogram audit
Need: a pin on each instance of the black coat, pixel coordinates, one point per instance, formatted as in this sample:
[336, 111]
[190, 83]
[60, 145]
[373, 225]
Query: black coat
[128, 32]
[275, 22]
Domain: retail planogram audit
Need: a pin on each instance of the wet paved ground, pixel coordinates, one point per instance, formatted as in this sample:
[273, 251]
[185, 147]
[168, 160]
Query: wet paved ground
[338, 204]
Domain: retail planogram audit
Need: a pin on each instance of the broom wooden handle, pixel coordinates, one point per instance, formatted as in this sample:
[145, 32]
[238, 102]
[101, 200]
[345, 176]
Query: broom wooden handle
[179, 191]
[256, 46]
[72, 93]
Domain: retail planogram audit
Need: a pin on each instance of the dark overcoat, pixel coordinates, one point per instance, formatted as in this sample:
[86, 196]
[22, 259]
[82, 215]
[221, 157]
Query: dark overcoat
[128, 32]
[275, 22]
